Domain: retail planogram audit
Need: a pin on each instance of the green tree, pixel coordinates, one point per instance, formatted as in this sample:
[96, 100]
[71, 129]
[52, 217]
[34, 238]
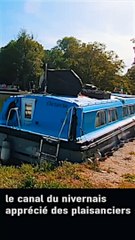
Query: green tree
[64, 54]
[90, 61]
[23, 58]
[8, 69]
[131, 76]
[55, 59]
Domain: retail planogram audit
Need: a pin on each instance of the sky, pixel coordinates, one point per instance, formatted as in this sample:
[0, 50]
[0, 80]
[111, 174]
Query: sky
[111, 22]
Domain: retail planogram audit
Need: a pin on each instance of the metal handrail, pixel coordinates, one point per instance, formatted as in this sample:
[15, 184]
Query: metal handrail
[18, 119]
[64, 122]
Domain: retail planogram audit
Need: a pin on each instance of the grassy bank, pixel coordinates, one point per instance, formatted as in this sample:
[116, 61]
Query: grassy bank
[69, 175]
[46, 176]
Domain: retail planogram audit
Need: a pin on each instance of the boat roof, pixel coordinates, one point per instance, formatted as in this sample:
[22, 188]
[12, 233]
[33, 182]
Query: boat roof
[122, 95]
[80, 101]
[83, 101]
[126, 99]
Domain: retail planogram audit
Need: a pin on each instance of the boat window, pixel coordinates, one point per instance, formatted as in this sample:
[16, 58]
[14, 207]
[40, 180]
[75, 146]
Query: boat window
[131, 109]
[125, 111]
[112, 115]
[28, 111]
[100, 118]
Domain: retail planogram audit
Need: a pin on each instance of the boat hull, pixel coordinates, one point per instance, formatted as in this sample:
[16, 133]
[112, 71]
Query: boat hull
[33, 148]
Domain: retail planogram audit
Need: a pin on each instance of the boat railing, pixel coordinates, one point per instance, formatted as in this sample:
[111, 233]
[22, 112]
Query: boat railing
[17, 115]
[64, 122]
[53, 141]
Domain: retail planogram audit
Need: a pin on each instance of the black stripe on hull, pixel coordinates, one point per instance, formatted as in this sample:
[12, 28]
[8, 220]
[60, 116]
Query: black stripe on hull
[71, 145]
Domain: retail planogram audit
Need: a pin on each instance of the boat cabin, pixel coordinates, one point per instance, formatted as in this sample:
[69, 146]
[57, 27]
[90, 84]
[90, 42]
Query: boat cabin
[64, 117]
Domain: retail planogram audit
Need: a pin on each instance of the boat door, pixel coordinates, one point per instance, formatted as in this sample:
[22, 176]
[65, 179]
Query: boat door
[27, 110]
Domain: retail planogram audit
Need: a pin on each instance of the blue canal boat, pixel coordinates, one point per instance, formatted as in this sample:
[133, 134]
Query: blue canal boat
[60, 123]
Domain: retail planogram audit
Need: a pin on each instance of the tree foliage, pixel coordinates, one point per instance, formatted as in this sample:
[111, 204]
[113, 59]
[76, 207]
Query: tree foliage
[131, 76]
[8, 55]
[21, 61]
[90, 61]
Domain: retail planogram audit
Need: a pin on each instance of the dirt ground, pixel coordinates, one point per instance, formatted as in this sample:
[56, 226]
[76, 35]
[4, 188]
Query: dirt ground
[117, 171]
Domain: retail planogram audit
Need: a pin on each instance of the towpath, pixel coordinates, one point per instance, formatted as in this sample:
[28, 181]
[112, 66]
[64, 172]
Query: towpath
[117, 171]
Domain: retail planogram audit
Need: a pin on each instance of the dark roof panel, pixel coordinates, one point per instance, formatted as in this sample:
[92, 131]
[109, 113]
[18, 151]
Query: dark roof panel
[63, 82]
